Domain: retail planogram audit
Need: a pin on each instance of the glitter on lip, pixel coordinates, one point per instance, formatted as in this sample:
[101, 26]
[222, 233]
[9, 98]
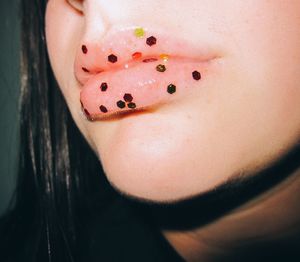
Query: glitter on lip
[140, 78]
[161, 68]
[151, 41]
[103, 87]
[139, 32]
[122, 42]
[164, 57]
[136, 55]
[112, 58]
[121, 104]
[84, 49]
[103, 109]
[196, 75]
[131, 105]
[128, 97]
[139, 87]
[171, 89]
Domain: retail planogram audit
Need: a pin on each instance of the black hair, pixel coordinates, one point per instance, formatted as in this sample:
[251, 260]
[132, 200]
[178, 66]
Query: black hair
[59, 177]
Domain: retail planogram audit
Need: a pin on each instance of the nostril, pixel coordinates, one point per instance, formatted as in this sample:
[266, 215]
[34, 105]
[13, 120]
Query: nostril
[77, 5]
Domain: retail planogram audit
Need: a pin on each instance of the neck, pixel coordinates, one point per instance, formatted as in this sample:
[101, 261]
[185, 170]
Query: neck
[272, 216]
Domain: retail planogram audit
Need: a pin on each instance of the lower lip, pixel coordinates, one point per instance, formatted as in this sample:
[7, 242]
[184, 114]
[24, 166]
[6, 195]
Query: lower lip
[139, 86]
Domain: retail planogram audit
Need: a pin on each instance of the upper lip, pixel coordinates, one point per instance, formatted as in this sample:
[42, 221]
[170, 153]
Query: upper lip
[123, 43]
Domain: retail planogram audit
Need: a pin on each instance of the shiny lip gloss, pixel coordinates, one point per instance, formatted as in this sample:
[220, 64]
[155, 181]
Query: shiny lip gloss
[126, 71]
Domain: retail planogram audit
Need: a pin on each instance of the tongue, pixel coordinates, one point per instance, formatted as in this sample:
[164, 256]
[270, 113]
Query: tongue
[138, 86]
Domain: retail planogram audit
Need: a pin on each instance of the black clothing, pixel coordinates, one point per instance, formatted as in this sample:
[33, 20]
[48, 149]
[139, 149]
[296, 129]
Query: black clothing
[118, 234]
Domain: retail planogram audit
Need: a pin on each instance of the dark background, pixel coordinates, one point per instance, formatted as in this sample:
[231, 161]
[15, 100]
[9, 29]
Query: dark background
[9, 91]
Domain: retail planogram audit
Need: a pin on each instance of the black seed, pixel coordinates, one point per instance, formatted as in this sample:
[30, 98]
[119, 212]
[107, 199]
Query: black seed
[85, 70]
[128, 97]
[121, 104]
[112, 58]
[151, 41]
[103, 109]
[171, 89]
[131, 105]
[161, 68]
[103, 87]
[196, 75]
[84, 49]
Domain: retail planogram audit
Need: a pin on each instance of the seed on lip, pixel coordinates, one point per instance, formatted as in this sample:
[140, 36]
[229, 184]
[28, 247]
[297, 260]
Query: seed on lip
[121, 104]
[103, 87]
[161, 68]
[171, 89]
[196, 75]
[139, 32]
[151, 41]
[136, 55]
[84, 49]
[128, 97]
[85, 70]
[103, 109]
[149, 60]
[131, 105]
[112, 58]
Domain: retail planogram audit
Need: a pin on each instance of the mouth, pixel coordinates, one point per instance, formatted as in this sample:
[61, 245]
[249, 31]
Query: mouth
[135, 69]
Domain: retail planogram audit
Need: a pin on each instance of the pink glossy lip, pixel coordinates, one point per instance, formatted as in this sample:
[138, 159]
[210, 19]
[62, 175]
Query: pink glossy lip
[119, 74]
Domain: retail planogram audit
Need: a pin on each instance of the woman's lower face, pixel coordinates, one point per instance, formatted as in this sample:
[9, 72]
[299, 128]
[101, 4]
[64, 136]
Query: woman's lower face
[178, 97]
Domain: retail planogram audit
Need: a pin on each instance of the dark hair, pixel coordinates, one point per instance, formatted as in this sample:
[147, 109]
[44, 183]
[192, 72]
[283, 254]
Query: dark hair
[57, 169]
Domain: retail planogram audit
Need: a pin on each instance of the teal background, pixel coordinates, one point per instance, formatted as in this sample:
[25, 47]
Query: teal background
[9, 91]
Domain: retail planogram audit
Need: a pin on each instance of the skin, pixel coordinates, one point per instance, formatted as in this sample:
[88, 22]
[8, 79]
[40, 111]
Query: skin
[244, 119]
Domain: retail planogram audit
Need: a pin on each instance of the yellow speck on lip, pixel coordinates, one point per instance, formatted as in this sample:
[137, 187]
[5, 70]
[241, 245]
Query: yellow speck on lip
[139, 32]
[164, 57]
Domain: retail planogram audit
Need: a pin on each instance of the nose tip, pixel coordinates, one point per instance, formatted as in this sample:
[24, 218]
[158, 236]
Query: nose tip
[96, 24]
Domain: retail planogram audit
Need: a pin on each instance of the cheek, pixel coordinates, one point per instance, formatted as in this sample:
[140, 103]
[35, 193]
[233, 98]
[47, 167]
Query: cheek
[270, 62]
[63, 32]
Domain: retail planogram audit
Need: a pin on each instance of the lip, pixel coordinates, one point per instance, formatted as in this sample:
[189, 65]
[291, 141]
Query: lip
[133, 83]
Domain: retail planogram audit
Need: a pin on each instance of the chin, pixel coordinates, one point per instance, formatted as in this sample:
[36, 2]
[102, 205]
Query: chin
[160, 163]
